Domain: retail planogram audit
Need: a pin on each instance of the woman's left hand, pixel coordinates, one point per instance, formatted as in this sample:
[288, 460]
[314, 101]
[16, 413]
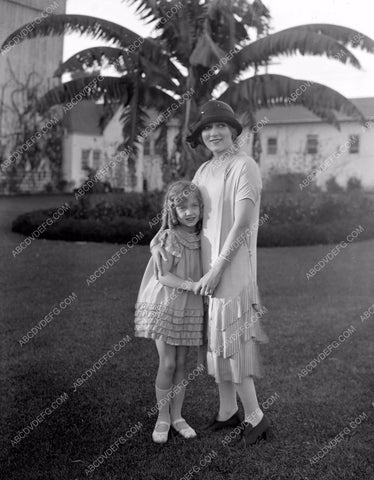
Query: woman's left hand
[208, 283]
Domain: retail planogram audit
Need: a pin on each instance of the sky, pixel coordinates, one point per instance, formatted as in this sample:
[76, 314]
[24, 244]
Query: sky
[346, 79]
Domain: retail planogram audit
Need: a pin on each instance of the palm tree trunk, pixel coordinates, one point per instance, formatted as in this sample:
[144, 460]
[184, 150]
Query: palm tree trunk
[190, 82]
[131, 162]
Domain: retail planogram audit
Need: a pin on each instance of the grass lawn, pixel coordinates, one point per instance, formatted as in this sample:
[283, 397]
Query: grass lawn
[304, 317]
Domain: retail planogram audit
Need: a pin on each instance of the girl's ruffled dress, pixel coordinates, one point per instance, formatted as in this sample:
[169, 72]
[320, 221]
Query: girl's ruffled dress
[172, 314]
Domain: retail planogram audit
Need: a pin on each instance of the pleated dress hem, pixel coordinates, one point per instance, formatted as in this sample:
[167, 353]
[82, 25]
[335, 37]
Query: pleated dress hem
[235, 333]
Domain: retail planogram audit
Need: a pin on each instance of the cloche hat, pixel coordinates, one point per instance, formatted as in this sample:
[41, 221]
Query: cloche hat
[211, 112]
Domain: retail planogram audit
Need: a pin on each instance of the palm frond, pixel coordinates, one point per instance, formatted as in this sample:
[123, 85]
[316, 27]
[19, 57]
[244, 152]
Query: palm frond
[206, 52]
[153, 97]
[118, 57]
[111, 89]
[156, 75]
[83, 24]
[148, 10]
[264, 91]
[152, 53]
[344, 35]
[180, 33]
[255, 15]
[225, 30]
[154, 62]
[133, 115]
[291, 41]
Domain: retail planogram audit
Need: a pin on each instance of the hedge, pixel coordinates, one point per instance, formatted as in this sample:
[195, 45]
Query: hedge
[294, 219]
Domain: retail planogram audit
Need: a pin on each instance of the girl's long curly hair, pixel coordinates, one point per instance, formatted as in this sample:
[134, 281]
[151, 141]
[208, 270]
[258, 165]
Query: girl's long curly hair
[176, 194]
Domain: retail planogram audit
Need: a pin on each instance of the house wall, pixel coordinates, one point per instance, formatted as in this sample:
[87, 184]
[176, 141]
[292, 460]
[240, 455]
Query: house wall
[73, 144]
[291, 153]
[147, 167]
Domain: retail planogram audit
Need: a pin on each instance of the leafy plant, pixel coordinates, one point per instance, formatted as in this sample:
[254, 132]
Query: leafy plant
[185, 53]
[353, 184]
[332, 186]
[32, 141]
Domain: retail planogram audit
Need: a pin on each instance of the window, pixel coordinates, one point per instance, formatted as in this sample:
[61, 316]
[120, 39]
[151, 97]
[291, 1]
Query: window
[85, 158]
[354, 143]
[312, 144]
[96, 159]
[272, 146]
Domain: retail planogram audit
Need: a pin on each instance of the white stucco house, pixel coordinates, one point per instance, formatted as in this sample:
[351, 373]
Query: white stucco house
[86, 143]
[295, 140]
[292, 140]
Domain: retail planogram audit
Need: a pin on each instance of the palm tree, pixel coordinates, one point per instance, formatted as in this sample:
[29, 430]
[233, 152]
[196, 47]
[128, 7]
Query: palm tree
[188, 39]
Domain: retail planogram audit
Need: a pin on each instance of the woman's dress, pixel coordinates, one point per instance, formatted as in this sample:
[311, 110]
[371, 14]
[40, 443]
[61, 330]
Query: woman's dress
[234, 329]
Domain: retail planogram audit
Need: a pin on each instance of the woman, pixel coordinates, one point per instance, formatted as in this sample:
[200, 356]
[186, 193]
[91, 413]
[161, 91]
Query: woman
[230, 185]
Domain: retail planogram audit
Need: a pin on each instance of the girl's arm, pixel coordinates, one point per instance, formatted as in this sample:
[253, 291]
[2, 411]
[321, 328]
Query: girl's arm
[158, 255]
[170, 279]
[244, 210]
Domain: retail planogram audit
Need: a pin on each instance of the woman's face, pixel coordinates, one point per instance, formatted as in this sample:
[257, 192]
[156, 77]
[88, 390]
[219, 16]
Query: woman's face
[217, 137]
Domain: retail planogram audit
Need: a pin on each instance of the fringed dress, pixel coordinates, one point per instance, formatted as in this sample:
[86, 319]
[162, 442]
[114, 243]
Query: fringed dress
[173, 315]
[233, 329]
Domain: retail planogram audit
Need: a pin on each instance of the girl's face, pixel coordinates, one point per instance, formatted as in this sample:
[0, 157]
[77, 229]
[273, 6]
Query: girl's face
[217, 137]
[189, 212]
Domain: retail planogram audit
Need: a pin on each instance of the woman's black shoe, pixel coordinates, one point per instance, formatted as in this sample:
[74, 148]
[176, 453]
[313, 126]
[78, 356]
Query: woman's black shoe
[214, 425]
[251, 435]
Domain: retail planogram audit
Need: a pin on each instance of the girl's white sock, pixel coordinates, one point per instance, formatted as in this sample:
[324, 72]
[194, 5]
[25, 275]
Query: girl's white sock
[177, 403]
[163, 403]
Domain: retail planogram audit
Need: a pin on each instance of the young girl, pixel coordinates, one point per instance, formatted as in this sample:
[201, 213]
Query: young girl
[167, 309]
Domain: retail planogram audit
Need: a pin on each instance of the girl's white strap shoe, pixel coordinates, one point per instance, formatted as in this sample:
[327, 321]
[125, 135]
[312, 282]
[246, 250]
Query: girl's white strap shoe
[182, 427]
[161, 437]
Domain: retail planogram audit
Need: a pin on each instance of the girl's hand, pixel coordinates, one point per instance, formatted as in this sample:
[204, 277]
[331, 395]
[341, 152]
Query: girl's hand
[208, 283]
[193, 286]
[196, 287]
[158, 254]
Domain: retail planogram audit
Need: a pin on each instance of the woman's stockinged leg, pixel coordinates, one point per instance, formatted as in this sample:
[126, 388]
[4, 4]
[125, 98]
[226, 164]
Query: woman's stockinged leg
[164, 379]
[247, 393]
[228, 404]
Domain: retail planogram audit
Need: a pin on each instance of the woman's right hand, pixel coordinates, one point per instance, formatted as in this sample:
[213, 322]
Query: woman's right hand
[158, 254]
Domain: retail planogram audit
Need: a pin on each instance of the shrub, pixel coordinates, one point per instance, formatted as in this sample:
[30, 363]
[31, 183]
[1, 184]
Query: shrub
[353, 184]
[118, 230]
[313, 207]
[284, 182]
[99, 186]
[134, 205]
[304, 233]
[304, 218]
[48, 188]
[332, 186]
